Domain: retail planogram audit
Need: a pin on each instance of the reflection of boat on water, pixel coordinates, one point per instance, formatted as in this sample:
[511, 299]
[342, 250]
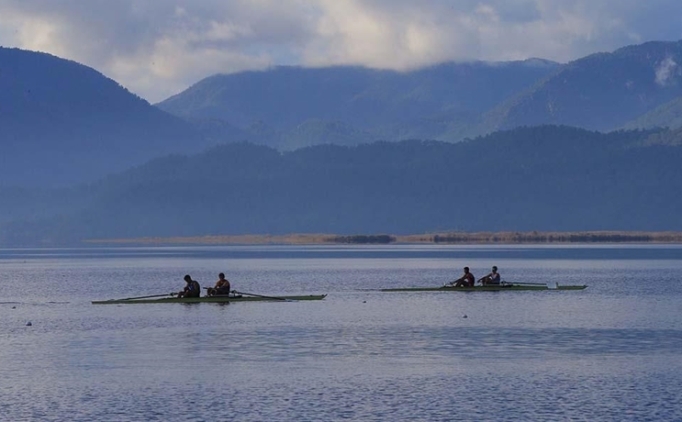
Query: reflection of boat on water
[502, 287]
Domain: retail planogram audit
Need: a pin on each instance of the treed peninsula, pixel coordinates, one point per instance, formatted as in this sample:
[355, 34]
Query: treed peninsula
[533, 237]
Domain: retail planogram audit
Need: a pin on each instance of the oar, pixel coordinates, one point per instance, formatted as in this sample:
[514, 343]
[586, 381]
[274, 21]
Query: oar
[550, 285]
[528, 284]
[265, 297]
[145, 297]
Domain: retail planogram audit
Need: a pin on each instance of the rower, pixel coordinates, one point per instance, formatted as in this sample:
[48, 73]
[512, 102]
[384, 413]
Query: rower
[192, 289]
[491, 279]
[467, 280]
[222, 286]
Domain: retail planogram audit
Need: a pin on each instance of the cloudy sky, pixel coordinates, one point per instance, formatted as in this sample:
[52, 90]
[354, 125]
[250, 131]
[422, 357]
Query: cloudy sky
[157, 48]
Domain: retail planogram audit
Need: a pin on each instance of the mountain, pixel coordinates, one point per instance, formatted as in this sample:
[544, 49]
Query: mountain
[431, 103]
[551, 178]
[637, 86]
[63, 123]
[603, 91]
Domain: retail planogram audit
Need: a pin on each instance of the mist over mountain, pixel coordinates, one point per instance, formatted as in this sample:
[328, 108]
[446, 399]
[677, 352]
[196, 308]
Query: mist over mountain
[62, 123]
[540, 178]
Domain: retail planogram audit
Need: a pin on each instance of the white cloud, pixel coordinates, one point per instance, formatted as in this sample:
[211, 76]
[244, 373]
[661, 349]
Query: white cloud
[666, 71]
[158, 47]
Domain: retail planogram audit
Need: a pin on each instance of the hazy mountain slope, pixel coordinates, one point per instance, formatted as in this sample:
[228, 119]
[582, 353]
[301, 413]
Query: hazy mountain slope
[666, 115]
[544, 178]
[376, 101]
[602, 91]
[313, 132]
[666, 138]
[62, 122]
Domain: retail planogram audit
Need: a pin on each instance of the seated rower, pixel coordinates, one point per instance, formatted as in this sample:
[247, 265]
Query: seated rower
[491, 279]
[192, 288]
[222, 286]
[467, 280]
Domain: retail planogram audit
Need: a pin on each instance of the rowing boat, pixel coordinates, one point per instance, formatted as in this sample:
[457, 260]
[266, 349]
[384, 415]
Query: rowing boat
[210, 299]
[505, 287]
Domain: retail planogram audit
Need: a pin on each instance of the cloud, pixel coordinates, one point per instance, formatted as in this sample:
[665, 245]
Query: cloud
[666, 71]
[157, 48]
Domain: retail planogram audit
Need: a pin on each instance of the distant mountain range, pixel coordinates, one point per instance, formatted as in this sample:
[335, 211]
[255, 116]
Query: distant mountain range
[62, 123]
[288, 107]
[82, 158]
[550, 178]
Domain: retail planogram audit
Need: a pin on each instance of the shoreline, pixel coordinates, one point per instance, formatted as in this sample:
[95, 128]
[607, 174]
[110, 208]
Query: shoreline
[440, 238]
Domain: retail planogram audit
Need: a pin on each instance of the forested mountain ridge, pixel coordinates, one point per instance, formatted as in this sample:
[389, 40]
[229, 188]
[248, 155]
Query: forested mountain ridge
[438, 102]
[541, 178]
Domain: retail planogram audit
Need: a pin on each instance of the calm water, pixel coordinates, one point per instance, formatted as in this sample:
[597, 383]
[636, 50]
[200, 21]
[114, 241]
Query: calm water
[611, 352]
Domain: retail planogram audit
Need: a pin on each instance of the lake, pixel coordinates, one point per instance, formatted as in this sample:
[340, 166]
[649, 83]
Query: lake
[610, 352]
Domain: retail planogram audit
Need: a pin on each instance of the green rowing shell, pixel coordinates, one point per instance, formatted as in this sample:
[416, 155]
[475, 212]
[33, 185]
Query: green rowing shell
[211, 299]
[500, 288]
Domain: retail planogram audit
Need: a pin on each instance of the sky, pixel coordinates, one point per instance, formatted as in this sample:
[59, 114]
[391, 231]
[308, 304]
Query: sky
[158, 48]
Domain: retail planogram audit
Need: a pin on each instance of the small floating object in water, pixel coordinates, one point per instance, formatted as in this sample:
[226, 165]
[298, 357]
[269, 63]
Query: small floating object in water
[364, 301]
[465, 316]
[14, 307]
[28, 324]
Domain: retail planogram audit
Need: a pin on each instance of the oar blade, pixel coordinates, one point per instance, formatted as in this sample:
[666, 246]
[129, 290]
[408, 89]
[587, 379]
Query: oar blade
[283, 299]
